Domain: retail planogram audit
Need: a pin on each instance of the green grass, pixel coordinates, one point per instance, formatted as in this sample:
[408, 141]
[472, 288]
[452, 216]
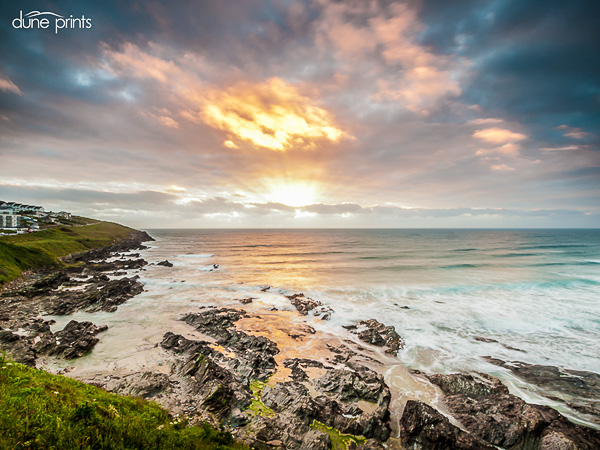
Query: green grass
[339, 440]
[43, 411]
[257, 407]
[43, 249]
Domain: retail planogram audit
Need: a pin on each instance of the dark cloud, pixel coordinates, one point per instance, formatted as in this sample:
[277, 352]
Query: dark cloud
[532, 61]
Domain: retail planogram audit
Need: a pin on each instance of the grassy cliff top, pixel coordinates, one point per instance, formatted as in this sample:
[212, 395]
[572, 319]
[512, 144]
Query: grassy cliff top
[43, 249]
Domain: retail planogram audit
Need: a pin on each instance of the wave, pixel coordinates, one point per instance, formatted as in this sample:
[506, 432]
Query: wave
[546, 246]
[461, 266]
[466, 249]
[192, 255]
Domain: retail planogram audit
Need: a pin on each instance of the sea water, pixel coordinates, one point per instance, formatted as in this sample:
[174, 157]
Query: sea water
[536, 292]
[455, 296]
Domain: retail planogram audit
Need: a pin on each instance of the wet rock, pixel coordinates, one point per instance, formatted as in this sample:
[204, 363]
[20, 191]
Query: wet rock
[337, 408]
[100, 278]
[106, 297]
[165, 263]
[254, 354]
[424, 428]
[304, 305]
[470, 385]
[75, 340]
[44, 285]
[245, 301]
[375, 333]
[580, 389]
[356, 383]
[486, 409]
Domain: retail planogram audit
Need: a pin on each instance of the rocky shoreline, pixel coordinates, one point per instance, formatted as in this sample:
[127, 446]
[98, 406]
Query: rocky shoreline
[240, 368]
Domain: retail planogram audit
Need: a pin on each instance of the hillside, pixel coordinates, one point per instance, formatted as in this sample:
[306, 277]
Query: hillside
[40, 410]
[44, 249]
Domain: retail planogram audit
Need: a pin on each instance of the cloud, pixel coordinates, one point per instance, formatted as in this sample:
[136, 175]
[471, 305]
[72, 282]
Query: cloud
[385, 38]
[272, 115]
[7, 85]
[498, 136]
[573, 132]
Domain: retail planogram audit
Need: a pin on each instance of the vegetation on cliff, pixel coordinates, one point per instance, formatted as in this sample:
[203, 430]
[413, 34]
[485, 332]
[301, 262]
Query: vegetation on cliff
[44, 411]
[43, 249]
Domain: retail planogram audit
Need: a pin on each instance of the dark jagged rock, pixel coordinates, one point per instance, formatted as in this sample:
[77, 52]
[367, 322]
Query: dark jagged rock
[107, 298]
[360, 383]
[75, 340]
[165, 263]
[424, 428]
[44, 285]
[246, 301]
[18, 347]
[486, 409]
[581, 388]
[254, 354]
[304, 305]
[469, 385]
[337, 408]
[217, 389]
[134, 242]
[291, 432]
[375, 333]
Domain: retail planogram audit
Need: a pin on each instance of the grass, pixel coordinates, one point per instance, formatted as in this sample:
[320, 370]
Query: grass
[43, 249]
[43, 411]
[339, 440]
[257, 407]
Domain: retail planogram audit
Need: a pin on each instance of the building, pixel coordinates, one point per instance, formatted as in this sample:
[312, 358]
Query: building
[10, 220]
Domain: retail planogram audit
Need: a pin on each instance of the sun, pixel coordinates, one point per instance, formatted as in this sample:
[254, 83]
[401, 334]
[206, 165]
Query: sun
[292, 193]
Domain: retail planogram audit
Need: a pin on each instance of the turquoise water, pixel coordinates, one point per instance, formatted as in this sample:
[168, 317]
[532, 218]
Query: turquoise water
[537, 292]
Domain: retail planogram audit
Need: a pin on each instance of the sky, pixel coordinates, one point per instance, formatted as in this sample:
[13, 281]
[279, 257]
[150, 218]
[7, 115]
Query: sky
[317, 113]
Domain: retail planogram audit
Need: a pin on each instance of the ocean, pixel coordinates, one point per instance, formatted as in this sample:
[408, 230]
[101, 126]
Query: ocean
[454, 295]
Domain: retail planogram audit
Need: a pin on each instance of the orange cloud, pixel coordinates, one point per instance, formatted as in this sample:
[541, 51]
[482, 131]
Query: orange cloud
[272, 115]
[420, 80]
[498, 136]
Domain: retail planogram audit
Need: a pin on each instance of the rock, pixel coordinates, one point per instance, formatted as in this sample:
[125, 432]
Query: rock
[106, 297]
[424, 428]
[144, 385]
[75, 340]
[485, 408]
[165, 263]
[304, 305]
[375, 333]
[44, 285]
[466, 384]
[580, 389]
[17, 347]
[216, 388]
[254, 354]
[245, 301]
[370, 444]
